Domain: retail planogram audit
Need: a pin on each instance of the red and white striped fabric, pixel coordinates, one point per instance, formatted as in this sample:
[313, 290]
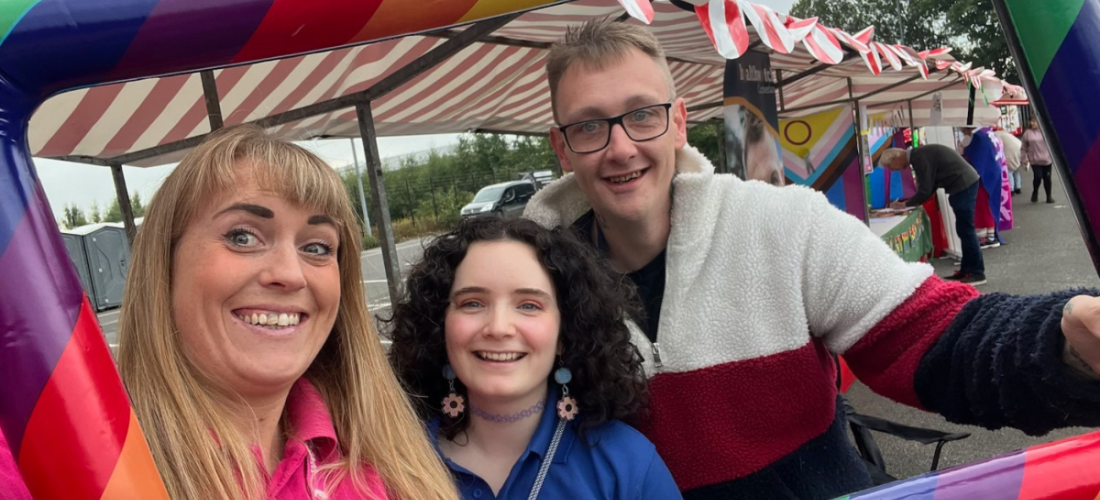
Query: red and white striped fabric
[725, 26]
[823, 44]
[639, 9]
[487, 86]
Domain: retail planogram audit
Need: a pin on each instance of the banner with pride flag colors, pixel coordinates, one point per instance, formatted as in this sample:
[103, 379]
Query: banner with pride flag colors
[820, 151]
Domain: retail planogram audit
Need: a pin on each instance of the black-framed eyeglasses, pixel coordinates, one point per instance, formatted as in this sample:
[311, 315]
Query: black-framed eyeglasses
[640, 125]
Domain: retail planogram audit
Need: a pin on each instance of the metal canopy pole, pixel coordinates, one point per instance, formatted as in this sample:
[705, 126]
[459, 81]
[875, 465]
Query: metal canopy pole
[970, 108]
[362, 197]
[382, 208]
[213, 101]
[124, 202]
[862, 149]
[720, 133]
[779, 87]
[911, 115]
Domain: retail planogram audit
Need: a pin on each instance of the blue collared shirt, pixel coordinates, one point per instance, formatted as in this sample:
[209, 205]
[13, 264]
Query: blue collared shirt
[620, 464]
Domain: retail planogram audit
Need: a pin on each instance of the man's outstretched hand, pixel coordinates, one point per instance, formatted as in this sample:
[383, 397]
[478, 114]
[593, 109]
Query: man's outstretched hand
[1081, 326]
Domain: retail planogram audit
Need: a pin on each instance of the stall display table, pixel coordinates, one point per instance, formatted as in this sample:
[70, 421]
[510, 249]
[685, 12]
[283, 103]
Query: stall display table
[908, 234]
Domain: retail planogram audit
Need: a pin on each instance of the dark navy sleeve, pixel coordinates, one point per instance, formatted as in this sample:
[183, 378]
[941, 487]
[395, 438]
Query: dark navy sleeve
[657, 484]
[999, 364]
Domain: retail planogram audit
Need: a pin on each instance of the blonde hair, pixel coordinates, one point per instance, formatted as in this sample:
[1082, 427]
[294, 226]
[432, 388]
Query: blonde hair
[199, 452]
[598, 43]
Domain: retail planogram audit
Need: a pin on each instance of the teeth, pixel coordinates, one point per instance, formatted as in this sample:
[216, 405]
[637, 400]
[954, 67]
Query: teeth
[499, 356]
[622, 179]
[271, 319]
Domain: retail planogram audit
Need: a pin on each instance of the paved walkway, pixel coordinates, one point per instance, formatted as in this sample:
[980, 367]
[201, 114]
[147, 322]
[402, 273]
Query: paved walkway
[1044, 253]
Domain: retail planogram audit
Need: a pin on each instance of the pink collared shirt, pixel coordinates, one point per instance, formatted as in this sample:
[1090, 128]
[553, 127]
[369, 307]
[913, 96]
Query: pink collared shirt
[309, 424]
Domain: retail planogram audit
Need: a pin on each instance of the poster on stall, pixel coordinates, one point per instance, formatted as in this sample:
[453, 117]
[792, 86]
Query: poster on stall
[820, 151]
[752, 139]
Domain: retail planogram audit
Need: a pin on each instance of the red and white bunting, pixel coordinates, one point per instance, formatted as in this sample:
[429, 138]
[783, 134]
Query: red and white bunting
[798, 28]
[722, 21]
[823, 45]
[889, 55]
[866, 35]
[768, 27]
[639, 9]
[912, 58]
[936, 53]
[851, 41]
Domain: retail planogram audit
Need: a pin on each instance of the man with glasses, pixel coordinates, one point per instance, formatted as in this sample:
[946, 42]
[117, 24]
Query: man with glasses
[749, 288]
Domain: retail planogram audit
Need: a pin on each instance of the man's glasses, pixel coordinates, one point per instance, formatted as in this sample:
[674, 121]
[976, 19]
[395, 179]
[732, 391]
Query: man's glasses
[642, 124]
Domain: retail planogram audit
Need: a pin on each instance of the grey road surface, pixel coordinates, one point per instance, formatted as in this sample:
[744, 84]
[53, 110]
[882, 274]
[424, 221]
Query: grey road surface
[1044, 253]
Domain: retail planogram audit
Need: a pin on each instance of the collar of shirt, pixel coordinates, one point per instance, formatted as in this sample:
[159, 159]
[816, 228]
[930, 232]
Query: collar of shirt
[309, 427]
[523, 473]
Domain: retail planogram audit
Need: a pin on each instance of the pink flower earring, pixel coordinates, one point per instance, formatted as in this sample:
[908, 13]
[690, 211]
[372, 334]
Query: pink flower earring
[567, 406]
[453, 404]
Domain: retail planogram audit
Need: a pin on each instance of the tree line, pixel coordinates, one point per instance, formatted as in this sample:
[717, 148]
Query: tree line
[435, 186]
[73, 216]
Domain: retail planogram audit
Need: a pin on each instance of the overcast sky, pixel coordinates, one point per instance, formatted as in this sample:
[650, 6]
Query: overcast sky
[81, 184]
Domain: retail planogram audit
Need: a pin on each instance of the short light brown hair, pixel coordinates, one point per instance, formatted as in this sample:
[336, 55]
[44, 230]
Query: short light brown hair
[600, 42]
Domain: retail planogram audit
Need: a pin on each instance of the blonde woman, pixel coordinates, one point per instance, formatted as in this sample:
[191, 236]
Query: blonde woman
[245, 342]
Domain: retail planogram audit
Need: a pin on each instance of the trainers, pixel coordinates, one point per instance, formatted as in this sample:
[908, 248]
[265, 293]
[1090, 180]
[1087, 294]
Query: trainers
[955, 277]
[972, 279]
[990, 243]
[1050, 200]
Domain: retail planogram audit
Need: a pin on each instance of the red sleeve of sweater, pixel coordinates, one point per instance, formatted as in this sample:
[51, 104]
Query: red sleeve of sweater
[12, 486]
[886, 359]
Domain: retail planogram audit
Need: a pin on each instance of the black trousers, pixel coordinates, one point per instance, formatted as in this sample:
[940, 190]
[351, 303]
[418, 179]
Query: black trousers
[1041, 175]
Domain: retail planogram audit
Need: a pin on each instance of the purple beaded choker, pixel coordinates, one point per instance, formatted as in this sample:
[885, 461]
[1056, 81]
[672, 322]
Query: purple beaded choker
[515, 417]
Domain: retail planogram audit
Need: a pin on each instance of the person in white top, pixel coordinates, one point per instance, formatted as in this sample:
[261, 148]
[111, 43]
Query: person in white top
[1013, 159]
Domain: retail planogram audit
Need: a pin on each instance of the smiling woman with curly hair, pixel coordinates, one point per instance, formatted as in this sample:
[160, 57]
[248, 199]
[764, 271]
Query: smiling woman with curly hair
[514, 340]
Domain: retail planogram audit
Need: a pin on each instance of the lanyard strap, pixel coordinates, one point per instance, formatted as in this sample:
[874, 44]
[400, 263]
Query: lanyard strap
[547, 459]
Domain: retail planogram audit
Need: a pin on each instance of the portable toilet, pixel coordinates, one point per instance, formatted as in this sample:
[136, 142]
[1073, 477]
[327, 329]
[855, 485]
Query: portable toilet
[108, 256]
[74, 243]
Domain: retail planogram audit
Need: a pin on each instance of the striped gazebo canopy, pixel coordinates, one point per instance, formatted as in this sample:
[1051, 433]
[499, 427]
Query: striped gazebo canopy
[494, 84]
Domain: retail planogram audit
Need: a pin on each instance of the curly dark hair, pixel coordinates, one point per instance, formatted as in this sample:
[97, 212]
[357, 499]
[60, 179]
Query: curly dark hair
[594, 302]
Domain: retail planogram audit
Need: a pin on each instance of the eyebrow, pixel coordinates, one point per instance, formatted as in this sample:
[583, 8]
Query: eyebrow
[321, 219]
[596, 113]
[519, 291]
[267, 213]
[257, 210]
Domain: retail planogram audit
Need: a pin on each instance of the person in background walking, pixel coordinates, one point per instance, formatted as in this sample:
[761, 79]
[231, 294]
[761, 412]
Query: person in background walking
[1036, 153]
[1012, 158]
